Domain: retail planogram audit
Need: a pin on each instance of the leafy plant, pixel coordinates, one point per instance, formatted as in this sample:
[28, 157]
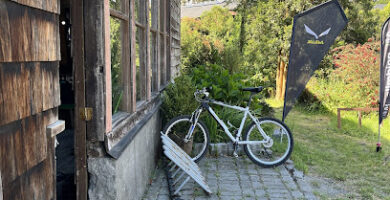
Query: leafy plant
[354, 82]
[178, 98]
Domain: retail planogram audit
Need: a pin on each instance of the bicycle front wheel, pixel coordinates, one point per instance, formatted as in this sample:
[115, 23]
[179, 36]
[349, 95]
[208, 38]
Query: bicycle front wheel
[274, 152]
[177, 130]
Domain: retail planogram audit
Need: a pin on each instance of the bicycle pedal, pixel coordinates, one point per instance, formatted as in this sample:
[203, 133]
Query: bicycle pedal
[235, 154]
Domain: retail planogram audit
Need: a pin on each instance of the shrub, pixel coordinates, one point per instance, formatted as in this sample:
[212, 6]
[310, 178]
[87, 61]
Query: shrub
[178, 98]
[354, 82]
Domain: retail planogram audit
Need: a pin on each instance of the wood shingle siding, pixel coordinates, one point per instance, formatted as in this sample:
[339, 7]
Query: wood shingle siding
[27, 34]
[27, 154]
[52, 6]
[27, 89]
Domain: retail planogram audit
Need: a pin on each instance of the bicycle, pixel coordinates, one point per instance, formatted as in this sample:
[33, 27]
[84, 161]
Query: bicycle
[268, 142]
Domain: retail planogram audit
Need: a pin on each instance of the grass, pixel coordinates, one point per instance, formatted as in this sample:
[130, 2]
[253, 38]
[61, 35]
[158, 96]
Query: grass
[347, 155]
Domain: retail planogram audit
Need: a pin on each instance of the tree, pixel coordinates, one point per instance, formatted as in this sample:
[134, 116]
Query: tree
[269, 33]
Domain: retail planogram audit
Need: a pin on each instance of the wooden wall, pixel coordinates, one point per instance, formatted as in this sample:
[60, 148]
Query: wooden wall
[29, 97]
[175, 37]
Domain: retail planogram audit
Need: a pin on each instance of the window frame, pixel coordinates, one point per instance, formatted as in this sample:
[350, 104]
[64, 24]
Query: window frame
[153, 73]
[124, 16]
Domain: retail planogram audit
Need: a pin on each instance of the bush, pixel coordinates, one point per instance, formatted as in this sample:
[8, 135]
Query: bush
[178, 98]
[354, 82]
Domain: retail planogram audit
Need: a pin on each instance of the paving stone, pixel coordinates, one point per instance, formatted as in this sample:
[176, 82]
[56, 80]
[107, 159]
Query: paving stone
[229, 187]
[245, 178]
[248, 192]
[260, 193]
[231, 178]
[246, 184]
[310, 197]
[298, 174]
[279, 193]
[297, 194]
[250, 198]
[207, 198]
[163, 197]
[257, 185]
[268, 171]
[230, 197]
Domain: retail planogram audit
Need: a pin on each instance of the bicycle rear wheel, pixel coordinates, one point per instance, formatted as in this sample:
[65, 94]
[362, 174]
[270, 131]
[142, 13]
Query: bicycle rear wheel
[197, 146]
[277, 150]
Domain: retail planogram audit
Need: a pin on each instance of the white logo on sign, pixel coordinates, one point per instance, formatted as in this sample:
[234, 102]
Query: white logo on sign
[311, 32]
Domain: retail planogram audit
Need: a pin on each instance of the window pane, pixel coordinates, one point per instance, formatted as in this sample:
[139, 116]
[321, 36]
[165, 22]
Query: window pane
[136, 9]
[162, 59]
[116, 64]
[117, 4]
[153, 61]
[162, 16]
[168, 60]
[138, 63]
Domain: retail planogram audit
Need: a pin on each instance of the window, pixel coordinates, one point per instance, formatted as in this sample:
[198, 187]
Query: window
[119, 34]
[154, 32]
[140, 51]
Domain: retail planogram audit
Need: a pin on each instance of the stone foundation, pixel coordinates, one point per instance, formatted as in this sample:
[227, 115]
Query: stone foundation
[128, 176]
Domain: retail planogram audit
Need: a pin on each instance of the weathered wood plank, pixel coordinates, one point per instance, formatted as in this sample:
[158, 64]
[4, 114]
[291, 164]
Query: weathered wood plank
[46, 5]
[36, 97]
[27, 89]
[5, 35]
[8, 154]
[28, 34]
[31, 185]
[8, 94]
[49, 117]
[133, 56]
[34, 140]
[55, 128]
[23, 146]
[50, 84]
[94, 67]
[80, 136]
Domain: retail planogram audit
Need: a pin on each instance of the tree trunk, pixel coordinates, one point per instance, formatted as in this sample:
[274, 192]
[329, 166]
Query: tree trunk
[242, 26]
[281, 76]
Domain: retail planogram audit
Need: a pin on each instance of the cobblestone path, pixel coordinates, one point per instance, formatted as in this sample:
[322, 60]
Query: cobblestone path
[237, 178]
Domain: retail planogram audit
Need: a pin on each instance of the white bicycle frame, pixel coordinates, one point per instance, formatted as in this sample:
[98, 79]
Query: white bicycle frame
[236, 139]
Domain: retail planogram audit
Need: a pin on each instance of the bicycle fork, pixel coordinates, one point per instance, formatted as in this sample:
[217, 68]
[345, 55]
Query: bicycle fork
[194, 119]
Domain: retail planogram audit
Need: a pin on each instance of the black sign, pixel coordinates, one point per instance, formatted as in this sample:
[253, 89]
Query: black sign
[314, 31]
[384, 100]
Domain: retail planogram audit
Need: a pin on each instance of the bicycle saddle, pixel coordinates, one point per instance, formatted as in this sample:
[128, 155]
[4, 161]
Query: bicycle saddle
[253, 89]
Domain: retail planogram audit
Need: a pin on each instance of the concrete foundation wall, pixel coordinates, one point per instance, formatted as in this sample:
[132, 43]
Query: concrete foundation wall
[128, 176]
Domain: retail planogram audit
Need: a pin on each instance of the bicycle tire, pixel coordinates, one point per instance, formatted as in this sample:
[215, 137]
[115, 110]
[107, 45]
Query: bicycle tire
[185, 121]
[283, 130]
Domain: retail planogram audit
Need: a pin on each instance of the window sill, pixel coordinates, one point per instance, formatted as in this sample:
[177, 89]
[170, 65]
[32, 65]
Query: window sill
[126, 126]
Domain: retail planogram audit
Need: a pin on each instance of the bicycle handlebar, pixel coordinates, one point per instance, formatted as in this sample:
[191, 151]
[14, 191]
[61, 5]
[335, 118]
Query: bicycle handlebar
[198, 94]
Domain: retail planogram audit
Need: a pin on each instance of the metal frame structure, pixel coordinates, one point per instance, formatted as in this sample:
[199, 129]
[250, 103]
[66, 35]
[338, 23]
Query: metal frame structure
[181, 165]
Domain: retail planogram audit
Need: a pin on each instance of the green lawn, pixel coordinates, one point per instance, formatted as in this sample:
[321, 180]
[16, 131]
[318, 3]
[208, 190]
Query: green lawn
[347, 155]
